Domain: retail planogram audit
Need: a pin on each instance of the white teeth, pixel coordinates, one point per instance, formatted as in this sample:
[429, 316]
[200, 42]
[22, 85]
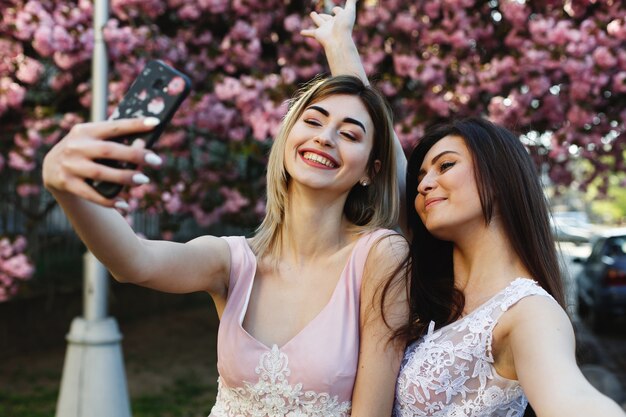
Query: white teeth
[319, 159]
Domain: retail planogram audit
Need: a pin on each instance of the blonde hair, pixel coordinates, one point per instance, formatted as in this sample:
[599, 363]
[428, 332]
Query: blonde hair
[367, 208]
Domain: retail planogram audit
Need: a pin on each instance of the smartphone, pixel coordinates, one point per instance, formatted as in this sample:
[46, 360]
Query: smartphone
[158, 91]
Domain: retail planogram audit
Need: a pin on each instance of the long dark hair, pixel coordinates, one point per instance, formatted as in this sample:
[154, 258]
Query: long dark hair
[508, 183]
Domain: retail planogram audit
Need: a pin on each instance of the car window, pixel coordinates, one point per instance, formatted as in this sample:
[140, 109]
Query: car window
[597, 250]
[616, 246]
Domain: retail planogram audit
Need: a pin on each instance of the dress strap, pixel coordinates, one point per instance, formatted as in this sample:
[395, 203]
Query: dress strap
[520, 288]
[242, 262]
[517, 290]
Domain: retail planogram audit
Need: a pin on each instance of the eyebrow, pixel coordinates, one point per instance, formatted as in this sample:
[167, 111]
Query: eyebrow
[422, 171]
[345, 120]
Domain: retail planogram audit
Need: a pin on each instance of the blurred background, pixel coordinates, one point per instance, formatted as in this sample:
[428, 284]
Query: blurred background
[553, 71]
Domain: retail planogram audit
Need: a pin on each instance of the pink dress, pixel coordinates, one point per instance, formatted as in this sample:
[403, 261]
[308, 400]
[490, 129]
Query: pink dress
[313, 373]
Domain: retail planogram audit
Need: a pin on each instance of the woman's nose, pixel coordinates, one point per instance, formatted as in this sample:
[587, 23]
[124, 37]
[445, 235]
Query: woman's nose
[325, 137]
[426, 184]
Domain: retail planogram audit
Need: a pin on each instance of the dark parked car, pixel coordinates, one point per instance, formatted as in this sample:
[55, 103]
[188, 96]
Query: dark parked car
[602, 281]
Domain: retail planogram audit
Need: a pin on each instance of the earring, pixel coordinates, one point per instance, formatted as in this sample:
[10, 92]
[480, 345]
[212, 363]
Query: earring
[365, 182]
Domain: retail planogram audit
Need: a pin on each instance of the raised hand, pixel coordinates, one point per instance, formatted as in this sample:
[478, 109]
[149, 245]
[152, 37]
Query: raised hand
[73, 160]
[333, 28]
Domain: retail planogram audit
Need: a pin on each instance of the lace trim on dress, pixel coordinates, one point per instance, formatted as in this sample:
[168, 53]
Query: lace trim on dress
[273, 396]
[449, 372]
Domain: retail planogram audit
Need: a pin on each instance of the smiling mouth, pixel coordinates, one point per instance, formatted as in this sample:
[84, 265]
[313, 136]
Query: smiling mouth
[432, 202]
[310, 156]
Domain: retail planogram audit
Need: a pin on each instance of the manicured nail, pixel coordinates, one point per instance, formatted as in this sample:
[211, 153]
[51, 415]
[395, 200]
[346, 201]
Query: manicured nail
[153, 159]
[121, 205]
[151, 121]
[140, 178]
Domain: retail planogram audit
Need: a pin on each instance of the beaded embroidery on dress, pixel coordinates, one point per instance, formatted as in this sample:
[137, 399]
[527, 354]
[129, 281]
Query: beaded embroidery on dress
[274, 397]
[449, 372]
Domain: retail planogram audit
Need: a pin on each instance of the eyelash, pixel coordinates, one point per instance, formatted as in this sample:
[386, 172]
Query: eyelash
[348, 135]
[444, 166]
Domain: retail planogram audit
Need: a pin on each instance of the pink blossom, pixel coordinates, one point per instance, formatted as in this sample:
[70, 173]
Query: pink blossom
[29, 71]
[578, 117]
[214, 6]
[603, 57]
[438, 104]
[19, 244]
[234, 200]
[432, 9]
[11, 93]
[405, 22]
[172, 139]
[10, 52]
[516, 13]
[580, 89]
[19, 162]
[189, 12]
[288, 74]
[538, 85]
[172, 202]
[617, 28]
[293, 23]
[61, 80]
[406, 65]
[563, 33]
[388, 88]
[6, 249]
[259, 208]
[228, 89]
[619, 82]
[27, 190]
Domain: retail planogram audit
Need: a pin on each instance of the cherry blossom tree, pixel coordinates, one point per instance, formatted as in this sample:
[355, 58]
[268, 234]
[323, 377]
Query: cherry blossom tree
[552, 70]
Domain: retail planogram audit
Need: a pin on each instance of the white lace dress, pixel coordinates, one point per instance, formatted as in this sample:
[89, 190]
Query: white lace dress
[449, 372]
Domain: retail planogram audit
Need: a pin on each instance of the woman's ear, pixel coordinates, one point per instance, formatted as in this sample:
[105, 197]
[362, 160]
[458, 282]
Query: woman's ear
[377, 165]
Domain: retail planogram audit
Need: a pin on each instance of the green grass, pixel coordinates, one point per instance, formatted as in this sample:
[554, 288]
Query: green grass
[187, 397]
[38, 402]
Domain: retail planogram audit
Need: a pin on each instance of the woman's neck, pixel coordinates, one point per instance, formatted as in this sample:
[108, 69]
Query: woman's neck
[314, 226]
[486, 261]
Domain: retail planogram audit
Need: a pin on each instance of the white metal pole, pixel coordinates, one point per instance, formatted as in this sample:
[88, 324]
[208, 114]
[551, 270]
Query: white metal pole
[94, 382]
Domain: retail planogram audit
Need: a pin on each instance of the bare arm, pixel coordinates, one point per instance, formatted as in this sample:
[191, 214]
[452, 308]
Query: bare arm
[334, 33]
[543, 347]
[200, 265]
[379, 355]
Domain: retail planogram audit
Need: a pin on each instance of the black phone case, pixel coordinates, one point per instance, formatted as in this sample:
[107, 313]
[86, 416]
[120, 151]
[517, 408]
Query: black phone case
[157, 92]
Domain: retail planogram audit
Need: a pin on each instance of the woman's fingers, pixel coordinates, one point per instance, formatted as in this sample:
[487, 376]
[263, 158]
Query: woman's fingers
[115, 151]
[104, 173]
[83, 154]
[81, 189]
[114, 128]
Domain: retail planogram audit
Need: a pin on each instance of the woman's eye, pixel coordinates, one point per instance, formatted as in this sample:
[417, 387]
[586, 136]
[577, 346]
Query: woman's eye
[445, 166]
[312, 122]
[349, 135]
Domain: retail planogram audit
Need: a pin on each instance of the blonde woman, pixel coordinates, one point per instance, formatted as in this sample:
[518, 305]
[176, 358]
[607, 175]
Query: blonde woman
[302, 331]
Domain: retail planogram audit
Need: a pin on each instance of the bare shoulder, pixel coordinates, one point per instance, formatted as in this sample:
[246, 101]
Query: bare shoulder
[385, 275]
[387, 253]
[212, 256]
[536, 315]
[207, 244]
